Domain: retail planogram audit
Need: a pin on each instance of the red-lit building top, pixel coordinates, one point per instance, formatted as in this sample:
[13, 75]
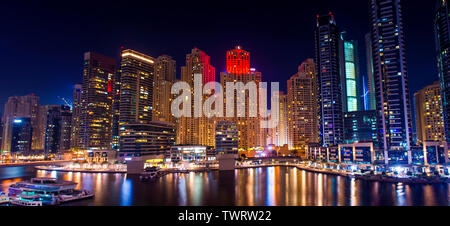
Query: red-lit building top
[238, 61]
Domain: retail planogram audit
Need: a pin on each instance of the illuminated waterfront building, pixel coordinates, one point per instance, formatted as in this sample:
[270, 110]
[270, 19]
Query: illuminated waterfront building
[430, 153]
[226, 138]
[21, 136]
[391, 81]
[165, 75]
[227, 144]
[75, 140]
[429, 120]
[58, 129]
[442, 38]
[360, 127]
[96, 101]
[185, 154]
[249, 129]
[350, 75]
[302, 99]
[23, 107]
[136, 92]
[329, 81]
[197, 130]
[150, 141]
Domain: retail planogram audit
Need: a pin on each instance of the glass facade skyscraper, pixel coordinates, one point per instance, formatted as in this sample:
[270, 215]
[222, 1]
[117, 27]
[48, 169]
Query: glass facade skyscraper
[350, 76]
[391, 81]
[329, 82]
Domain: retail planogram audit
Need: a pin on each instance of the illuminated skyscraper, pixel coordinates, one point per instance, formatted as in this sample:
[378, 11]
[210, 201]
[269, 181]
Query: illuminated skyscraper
[329, 81]
[23, 107]
[350, 75]
[116, 110]
[57, 132]
[96, 101]
[370, 95]
[136, 92]
[21, 137]
[391, 81]
[197, 130]
[238, 70]
[75, 140]
[165, 75]
[238, 61]
[442, 38]
[278, 135]
[429, 120]
[303, 114]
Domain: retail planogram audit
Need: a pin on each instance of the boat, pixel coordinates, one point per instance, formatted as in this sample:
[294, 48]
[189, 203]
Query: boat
[3, 198]
[45, 191]
[150, 173]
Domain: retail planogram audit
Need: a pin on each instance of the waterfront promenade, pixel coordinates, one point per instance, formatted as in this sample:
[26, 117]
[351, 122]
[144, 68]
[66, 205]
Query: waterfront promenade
[301, 166]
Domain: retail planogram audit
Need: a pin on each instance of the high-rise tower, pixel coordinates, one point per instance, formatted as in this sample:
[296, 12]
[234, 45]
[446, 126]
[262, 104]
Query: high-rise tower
[23, 107]
[165, 75]
[197, 130]
[429, 120]
[303, 114]
[96, 101]
[391, 81]
[75, 140]
[238, 70]
[350, 75]
[136, 92]
[329, 81]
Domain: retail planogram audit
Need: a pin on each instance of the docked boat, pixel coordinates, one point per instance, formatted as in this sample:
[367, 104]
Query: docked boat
[3, 198]
[150, 174]
[45, 191]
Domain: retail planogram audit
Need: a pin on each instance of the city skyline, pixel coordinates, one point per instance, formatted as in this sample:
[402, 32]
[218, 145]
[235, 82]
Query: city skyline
[331, 103]
[297, 33]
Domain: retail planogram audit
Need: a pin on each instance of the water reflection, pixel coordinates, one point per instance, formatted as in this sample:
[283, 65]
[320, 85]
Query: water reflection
[247, 187]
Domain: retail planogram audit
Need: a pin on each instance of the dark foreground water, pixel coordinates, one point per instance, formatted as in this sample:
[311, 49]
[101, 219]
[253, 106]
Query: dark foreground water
[247, 187]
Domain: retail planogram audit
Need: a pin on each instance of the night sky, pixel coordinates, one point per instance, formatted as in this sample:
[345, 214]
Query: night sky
[43, 42]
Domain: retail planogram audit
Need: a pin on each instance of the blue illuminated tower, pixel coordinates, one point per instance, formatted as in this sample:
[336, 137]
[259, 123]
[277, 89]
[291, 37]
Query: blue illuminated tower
[391, 81]
[327, 37]
[350, 75]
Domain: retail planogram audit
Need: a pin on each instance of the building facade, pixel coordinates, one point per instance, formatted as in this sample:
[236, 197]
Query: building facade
[249, 128]
[429, 119]
[360, 127]
[279, 134]
[136, 92]
[391, 81]
[152, 140]
[96, 101]
[75, 140]
[23, 107]
[165, 76]
[350, 75]
[58, 129]
[21, 137]
[329, 81]
[196, 130]
[303, 112]
[370, 95]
